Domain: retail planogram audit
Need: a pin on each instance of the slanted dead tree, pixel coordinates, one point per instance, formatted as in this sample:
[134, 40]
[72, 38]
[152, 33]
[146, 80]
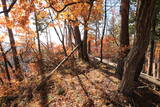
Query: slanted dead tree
[43, 82]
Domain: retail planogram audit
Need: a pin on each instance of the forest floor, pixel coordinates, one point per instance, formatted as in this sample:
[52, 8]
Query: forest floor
[79, 84]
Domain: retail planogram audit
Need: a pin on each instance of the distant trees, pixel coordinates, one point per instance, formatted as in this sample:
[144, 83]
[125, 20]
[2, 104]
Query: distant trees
[12, 43]
[79, 13]
[77, 16]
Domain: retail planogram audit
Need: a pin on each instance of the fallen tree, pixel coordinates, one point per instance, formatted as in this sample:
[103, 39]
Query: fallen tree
[142, 75]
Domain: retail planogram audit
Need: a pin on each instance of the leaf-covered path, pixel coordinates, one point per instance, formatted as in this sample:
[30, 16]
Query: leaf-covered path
[79, 84]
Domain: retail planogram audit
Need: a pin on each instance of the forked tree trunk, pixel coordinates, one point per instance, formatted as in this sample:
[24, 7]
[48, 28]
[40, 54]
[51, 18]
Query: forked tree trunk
[124, 36]
[19, 75]
[145, 12]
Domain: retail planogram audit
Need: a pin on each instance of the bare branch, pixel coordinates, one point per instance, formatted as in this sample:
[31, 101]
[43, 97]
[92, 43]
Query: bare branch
[10, 7]
[69, 4]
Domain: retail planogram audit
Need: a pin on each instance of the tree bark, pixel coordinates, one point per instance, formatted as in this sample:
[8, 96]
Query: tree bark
[78, 40]
[85, 44]
[85, 36]
[144, 21]
[37, 32]
[152, 44]
[139, 69]
[158, 70]
[151, 57]
[89, 47]
[69, 39]
[124, 36]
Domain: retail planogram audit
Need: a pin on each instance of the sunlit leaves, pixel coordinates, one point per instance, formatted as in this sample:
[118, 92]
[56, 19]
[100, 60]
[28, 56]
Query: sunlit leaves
[79, 10]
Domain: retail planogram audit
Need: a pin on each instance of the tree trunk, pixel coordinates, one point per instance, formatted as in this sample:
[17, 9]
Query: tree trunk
[139, 69]
[96, 36]
[85, 36]
[19, 75]
[151, 57]
[77, 37]
[152, 45]
[63, 40]
[89, 47]
[143, 26]
[158, 70]
[103, 32]
[39, 57]
[124, 36]
[85, 44]
[69, 39]
[37, 32]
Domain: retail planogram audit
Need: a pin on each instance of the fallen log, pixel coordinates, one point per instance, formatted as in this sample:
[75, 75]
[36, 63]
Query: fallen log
[142, 75]
[150, 79]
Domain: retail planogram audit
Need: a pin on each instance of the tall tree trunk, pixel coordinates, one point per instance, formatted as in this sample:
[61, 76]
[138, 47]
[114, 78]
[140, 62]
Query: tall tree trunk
[43, 92]
[158, 69]
[124, 36]
[96, 36]
[151, 57]
[63, 40]
[144, 20]
[89, 47]
[47, 39]
[78, 41]
[39, 57]
[38, 36]
[104, 28]
[85, 36]
[19, 75]
[69, 39]
[152, 45]
[85, 44]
